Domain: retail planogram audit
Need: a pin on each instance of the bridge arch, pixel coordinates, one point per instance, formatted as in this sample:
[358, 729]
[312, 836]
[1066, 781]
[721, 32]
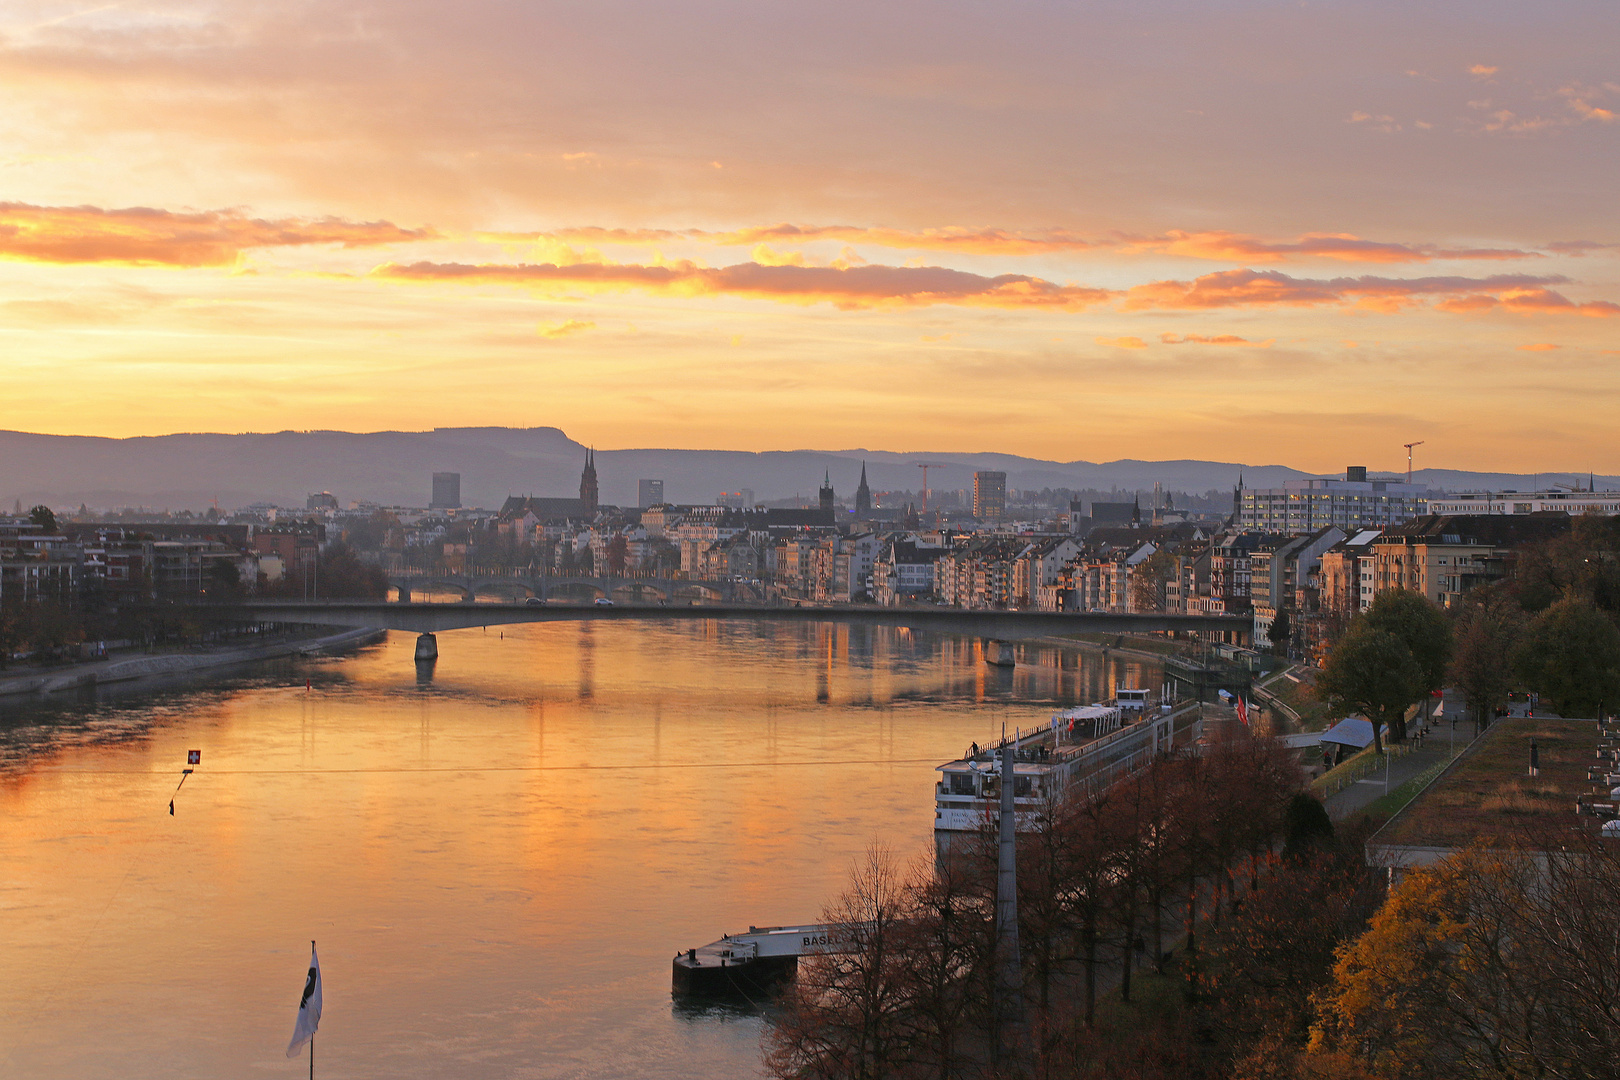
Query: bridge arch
[504, 588]
[643, 592]
[692, 590]
[422, 585]
[575, 589]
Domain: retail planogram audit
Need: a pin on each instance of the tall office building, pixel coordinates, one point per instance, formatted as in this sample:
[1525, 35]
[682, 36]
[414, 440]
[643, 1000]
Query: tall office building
[649, 493]
[446, 491]
[989, 495]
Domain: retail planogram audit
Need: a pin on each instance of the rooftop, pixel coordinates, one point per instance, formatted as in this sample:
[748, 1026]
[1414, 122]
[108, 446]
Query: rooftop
[1487, 797]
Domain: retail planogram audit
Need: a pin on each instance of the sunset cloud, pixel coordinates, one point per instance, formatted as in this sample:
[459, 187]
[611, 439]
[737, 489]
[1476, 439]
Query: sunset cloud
[1270, 288]
[139, 236]
[1217, 245]
[849, 288]
[968, 241]
[1218, 339]
[1540, 346]
[565, 329]
[1236, 247]
[1123, 342]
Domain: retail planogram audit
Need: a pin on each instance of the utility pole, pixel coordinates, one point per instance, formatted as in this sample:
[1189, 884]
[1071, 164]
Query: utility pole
[1409, 458]
[1009, 998]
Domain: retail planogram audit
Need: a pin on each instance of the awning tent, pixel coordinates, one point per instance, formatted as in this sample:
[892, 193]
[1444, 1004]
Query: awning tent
[1353, 732]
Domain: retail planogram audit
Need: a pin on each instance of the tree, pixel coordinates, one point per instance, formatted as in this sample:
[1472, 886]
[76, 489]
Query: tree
[1422, 628]
[1371, 672]
[1278, 949]
[1281, 631]
[1571, 655]
[224, 580]
[1147, 581]
[1489, 627]
[1306, 826]
[618, 554]
[842, 1018]
[44, 517]
[1489, 963]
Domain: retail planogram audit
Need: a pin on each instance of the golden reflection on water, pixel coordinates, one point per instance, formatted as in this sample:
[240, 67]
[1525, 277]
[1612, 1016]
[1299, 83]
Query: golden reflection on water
[498, 857]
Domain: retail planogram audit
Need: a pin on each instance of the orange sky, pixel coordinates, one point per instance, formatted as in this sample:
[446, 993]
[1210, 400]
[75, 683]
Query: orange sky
[1248, 231]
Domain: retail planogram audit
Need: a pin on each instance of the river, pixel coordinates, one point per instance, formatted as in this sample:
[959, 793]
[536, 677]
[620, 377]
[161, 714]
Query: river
[498, 858]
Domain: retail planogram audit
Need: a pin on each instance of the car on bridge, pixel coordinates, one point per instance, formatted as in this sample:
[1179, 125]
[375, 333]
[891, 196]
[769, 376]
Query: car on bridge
[536, 601]
[603, 601]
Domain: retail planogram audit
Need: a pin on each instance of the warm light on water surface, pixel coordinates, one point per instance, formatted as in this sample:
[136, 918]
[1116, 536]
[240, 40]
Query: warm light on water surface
[498, 862]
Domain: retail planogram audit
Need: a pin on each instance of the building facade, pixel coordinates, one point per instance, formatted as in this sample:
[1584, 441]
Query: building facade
[446, 491]
[989, 495]
[1351, 504]
[1528, 502]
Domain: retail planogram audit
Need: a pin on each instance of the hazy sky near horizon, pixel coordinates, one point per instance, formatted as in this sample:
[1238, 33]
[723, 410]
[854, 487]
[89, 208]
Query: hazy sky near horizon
[1302, 233]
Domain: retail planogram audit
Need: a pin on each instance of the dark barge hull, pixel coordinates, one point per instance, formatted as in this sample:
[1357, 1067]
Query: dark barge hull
[750, 978]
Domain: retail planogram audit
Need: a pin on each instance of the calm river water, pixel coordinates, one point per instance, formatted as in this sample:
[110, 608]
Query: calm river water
[498, 862]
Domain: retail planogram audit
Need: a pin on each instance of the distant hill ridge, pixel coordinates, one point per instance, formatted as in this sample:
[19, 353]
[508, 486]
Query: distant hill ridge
[395, 467]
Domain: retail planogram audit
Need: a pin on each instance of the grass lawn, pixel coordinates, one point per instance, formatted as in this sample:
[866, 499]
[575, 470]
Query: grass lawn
[1387, 806]
[1489, 797]
[1297, 696]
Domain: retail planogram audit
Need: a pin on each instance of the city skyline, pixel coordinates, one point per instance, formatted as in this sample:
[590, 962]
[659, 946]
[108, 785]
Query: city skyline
[1253, 233]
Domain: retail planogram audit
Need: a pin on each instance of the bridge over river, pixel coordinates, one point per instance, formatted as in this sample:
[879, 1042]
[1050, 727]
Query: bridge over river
[521, 584]
[428, 619]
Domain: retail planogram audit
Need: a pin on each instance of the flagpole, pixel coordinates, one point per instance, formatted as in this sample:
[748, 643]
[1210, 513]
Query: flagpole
[312, 1034]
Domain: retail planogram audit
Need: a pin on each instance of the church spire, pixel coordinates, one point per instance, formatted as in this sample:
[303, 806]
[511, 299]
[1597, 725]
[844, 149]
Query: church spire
[863, 497]
[588, 497]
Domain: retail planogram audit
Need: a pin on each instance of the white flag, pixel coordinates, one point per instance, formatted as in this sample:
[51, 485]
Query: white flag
[309, 1007]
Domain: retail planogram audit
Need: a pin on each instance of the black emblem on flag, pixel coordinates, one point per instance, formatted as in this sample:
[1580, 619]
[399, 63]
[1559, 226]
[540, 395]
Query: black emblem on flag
[309, 988]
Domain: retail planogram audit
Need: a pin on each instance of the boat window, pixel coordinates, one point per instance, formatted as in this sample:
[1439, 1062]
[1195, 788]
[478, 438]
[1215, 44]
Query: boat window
[961, 783]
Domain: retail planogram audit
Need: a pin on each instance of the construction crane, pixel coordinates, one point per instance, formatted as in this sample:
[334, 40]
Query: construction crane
[1409, 458]
[925, 466]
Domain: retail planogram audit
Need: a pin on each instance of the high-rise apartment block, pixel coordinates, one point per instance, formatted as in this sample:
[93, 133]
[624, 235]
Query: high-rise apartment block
[649, 493]
[446, 491]
[1304, 506]
[989, 495]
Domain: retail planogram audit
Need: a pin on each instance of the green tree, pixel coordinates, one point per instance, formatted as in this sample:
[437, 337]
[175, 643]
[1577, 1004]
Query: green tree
[1371, 672]
[1281, 631]
[1571, 655]
[44, 517]
[224, 580]
[1422, 628]
[1489, 627]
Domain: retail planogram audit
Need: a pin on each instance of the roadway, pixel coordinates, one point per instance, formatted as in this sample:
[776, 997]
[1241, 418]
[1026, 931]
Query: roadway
[1003, 625]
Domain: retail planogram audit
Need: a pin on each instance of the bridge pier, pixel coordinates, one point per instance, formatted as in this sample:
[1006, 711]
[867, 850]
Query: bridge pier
[427, 647]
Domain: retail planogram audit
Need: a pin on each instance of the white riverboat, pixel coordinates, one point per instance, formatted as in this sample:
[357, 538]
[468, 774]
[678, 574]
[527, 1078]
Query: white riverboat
[1092, 747]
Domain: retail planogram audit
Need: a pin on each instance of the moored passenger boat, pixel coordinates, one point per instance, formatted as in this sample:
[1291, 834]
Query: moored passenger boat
[1090, 748]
